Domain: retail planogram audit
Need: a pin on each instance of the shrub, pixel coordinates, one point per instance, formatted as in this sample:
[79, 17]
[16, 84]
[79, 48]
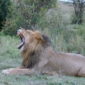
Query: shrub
[4, 10]
[26, 13]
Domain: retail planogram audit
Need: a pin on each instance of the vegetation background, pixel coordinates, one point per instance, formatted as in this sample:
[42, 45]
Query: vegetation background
[53, 18]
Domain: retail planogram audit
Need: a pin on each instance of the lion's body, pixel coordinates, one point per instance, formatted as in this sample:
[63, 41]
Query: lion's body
[60, 63]
[39, 57]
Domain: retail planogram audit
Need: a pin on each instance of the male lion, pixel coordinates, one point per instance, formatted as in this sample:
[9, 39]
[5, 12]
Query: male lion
[40, 58]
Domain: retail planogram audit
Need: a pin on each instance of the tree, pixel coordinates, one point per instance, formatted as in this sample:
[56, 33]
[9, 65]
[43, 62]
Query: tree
[26, 14]
[78, 11]
[33, 10]
[3, 11]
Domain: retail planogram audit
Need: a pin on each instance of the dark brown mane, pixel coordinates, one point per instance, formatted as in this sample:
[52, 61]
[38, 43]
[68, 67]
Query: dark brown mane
[47, 41]
[33, 56]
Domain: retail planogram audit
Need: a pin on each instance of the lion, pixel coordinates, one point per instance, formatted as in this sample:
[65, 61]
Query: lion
[39, 57]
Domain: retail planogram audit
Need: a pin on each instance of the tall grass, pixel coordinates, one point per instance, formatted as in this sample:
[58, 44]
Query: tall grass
[69, 39]
[8, 50]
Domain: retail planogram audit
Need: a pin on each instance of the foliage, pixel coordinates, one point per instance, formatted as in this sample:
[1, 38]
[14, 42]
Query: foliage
[12, 22]
[78, 11]
[4, 5]
[48, 18]
[29, 13]
[52, 20]
[33, 10]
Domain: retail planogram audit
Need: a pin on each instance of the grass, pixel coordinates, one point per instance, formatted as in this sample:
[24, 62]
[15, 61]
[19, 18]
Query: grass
[10, 58]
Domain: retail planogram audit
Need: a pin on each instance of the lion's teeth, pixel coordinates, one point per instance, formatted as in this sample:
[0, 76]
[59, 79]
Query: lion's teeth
[20, 46]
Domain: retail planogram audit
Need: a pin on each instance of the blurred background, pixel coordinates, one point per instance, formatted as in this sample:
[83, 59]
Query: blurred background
[63, 21]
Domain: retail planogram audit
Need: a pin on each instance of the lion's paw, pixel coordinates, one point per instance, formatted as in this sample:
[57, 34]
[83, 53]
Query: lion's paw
[7, 71]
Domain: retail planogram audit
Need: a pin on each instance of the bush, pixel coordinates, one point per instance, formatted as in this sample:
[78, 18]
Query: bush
[4, 10]
[26, 13]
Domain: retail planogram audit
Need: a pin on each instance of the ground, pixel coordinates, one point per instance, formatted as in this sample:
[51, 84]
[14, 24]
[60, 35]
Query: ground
[10, 58]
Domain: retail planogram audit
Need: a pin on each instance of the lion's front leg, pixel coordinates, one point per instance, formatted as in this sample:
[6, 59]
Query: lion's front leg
[49, 73]
[18, 71]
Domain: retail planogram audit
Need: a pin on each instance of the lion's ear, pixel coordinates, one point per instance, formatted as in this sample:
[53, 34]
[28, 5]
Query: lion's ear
[38, 35]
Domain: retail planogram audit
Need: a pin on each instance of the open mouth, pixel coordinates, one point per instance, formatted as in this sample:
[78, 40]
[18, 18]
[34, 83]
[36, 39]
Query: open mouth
[22, 42]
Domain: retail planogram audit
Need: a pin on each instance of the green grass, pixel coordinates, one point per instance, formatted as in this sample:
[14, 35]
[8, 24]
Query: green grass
[10, 58]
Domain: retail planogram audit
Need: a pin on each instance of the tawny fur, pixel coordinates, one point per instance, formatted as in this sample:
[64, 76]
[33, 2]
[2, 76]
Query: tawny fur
[39, 57]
